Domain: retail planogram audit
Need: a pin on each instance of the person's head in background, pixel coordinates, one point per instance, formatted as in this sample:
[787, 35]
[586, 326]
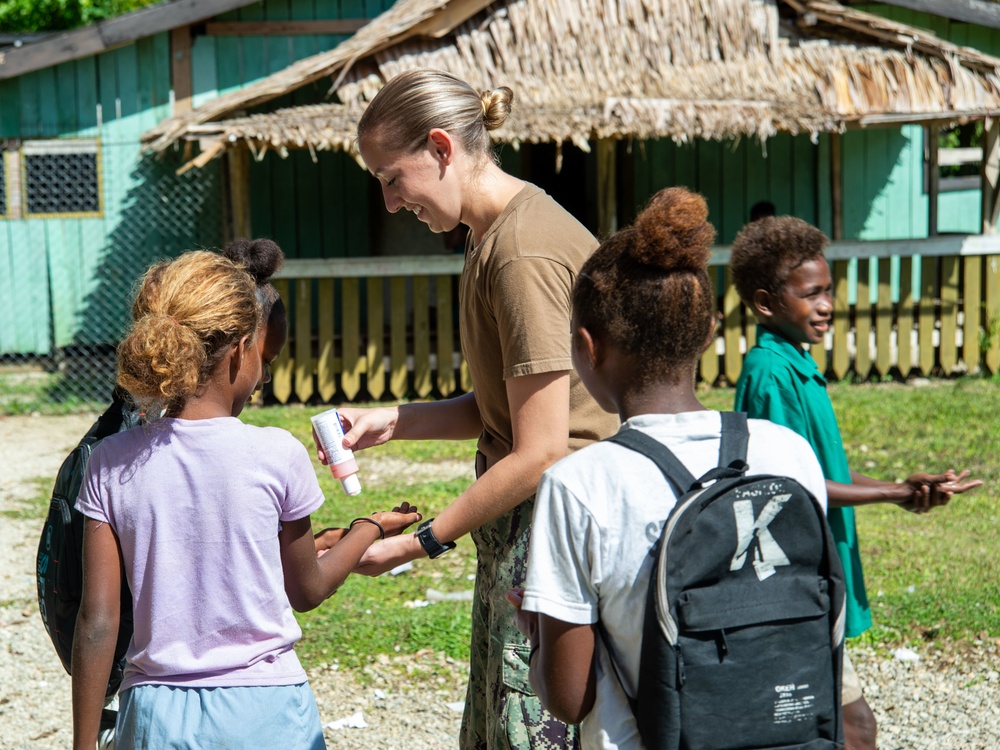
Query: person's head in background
[781, 274]
[643, 307]
[425, 137]
[262, 258]
[760, 209]
[192, 317]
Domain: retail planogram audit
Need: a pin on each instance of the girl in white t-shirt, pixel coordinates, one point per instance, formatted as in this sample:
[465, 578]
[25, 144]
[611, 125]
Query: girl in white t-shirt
[208, 519]
[643, 314]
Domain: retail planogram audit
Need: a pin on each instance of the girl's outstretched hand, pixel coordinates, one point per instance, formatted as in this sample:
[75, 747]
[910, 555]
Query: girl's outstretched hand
[398, 519]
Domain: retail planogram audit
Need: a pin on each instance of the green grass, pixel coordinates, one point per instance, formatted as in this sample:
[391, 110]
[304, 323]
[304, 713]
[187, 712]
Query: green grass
[29, 391]
[933, 577]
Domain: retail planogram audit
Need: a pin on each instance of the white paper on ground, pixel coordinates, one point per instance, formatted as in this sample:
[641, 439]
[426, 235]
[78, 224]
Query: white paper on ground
[354, 721]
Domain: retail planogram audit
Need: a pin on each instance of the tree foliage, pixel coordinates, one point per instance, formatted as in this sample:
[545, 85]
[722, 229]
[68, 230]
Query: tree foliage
[24, 16]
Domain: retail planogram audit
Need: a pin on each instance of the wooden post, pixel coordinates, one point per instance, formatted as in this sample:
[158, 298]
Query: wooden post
[238, 173]
[607, 199]
[11, 169]
[933, 179]
[836, 186]
[180, 69]
[991, 175]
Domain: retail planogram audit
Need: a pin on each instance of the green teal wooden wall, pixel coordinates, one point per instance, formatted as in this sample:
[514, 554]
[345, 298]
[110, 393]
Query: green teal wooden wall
[67, 281]
[310, 209]
[733, 175]
[958, 211]
[64, 275]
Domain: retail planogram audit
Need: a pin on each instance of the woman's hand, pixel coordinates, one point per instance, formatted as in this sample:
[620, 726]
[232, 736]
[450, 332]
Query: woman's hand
[365, 428]
[383, 556]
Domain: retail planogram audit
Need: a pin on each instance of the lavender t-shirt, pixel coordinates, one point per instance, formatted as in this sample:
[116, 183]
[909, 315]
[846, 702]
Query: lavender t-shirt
[196, 506]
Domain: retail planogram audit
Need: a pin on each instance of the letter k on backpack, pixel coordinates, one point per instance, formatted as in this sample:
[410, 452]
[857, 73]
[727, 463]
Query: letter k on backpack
[743, 634]
[59, 562]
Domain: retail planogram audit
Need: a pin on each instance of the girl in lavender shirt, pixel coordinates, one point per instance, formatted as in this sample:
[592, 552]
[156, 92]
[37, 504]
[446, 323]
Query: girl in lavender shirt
[209, 521]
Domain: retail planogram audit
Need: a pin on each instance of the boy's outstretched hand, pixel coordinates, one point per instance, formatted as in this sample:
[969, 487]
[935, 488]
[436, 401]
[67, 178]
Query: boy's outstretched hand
[934, 490]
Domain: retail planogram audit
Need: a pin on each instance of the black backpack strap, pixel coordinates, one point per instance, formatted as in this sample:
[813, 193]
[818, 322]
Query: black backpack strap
[675, 472]
[735, 436]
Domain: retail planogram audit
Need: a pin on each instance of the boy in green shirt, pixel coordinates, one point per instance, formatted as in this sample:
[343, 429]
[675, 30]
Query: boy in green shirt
[780, 273]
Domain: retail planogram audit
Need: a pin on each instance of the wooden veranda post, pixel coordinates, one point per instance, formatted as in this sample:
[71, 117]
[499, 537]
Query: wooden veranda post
[991, 214]
[607, 198]
[180, 69]
[991, 175]
[238, 174]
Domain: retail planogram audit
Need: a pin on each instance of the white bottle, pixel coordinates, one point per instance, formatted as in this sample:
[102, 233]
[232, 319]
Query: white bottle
[330, 432]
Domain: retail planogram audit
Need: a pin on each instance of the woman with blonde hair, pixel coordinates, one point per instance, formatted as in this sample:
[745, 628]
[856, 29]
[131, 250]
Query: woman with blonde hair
[426, 138]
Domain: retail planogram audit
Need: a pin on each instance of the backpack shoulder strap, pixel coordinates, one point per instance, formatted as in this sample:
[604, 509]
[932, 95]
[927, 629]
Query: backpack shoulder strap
[675, 472]
[735, 437]
[732, 453]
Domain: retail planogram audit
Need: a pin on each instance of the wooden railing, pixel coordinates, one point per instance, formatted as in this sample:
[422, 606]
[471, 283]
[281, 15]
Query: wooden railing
[368, 328]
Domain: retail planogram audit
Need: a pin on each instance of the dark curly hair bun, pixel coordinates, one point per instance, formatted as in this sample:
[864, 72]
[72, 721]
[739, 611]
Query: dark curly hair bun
[672, 232]
[262, 258]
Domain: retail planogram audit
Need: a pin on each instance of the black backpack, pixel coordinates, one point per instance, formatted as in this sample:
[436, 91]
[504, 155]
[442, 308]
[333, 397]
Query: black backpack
[743, 635]
[59, 563]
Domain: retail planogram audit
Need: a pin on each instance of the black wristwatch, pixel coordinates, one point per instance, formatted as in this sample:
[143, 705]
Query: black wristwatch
[429, 542]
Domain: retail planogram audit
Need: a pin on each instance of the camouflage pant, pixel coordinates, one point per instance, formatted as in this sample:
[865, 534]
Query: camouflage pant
[501, 710]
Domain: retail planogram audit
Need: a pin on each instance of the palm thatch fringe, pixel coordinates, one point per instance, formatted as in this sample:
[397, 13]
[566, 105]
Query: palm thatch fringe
[681, 69]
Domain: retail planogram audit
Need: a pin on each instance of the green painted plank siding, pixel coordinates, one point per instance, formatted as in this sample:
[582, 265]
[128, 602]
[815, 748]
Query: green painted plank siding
[204, 78]
[958, 211]
[733, 176]
[312, 209]
[27, 296]
[72, 277]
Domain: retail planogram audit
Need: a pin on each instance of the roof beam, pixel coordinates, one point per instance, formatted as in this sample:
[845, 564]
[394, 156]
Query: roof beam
[284, 28]
[981, 12]
[114, 32]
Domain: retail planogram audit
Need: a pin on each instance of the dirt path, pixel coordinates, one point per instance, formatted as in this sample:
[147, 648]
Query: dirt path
[949, 702]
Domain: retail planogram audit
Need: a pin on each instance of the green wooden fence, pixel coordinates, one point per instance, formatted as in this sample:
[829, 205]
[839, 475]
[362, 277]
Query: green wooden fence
[372, 328]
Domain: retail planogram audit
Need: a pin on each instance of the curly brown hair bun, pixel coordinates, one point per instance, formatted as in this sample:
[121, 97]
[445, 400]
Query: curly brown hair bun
[262, 258]
[646, 288]
[673, 233]
[187, 313]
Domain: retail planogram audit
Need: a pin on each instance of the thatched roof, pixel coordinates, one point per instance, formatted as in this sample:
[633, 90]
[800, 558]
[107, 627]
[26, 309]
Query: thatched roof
[580, 70]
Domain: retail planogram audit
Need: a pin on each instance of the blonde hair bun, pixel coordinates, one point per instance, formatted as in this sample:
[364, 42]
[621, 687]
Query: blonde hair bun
[497, 105]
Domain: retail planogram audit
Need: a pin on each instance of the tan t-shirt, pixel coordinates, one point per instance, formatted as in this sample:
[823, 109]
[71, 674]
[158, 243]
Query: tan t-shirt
[514, 299]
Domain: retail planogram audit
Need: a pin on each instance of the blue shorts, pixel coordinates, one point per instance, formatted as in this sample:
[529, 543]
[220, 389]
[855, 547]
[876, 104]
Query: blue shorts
[181, 718]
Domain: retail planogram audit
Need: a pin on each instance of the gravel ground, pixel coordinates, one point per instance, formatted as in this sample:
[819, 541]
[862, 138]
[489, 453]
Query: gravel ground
[942, 701]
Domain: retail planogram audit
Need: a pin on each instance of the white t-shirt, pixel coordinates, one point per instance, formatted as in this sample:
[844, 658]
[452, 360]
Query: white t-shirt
[196, 506]
[598, 514]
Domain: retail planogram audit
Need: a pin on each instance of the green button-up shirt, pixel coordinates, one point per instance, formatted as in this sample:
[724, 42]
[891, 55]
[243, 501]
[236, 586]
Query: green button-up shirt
[780, 382]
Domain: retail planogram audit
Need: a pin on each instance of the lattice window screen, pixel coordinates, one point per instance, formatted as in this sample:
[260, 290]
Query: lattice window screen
[62, 177]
